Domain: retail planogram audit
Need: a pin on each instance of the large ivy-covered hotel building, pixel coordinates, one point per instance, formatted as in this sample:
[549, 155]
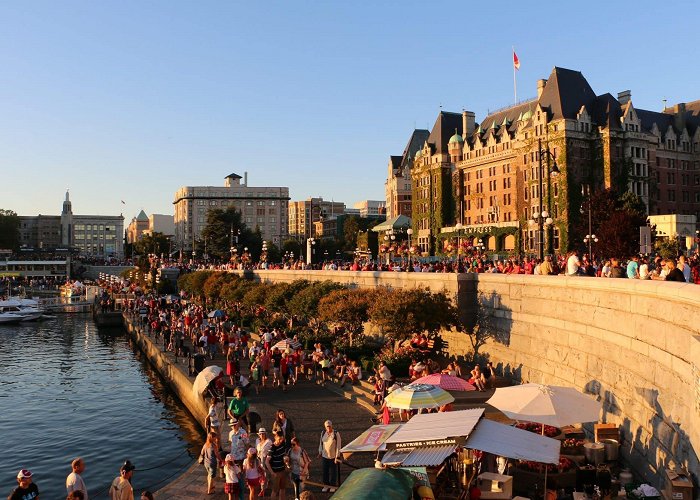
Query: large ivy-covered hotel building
[481, 180]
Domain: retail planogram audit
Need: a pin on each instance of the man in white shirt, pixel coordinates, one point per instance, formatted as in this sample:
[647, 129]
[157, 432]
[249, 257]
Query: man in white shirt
[573, 264]
[74, 482]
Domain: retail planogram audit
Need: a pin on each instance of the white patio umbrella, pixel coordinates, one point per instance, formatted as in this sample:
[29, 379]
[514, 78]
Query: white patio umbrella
[201, 382]
[546, 404]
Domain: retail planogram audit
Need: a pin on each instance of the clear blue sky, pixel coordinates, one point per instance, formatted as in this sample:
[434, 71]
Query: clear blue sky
[129, 100]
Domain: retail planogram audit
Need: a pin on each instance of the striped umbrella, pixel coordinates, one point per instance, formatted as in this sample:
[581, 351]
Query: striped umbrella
[285, 344]
[447, 382]
[415, 396]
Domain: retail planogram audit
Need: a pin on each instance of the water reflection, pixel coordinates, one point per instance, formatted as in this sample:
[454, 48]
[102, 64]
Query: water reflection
[70, 390]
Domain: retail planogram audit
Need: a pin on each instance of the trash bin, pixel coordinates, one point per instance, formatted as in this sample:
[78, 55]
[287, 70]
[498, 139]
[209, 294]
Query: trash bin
[198, 362]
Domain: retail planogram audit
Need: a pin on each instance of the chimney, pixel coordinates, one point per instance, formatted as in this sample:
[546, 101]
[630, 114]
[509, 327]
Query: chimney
[679, 116]
[624, 97]
[245, 179]
[541, 84]
[468, 118]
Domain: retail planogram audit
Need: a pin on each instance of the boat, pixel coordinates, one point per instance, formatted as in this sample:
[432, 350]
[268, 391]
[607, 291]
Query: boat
[25, 309]
[9, 312]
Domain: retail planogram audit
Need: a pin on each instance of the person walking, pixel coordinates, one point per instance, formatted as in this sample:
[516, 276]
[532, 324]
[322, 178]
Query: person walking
[282, 423]
[277, 463]
[329, 452]
[299, 463]
[121, 488]
[74, 481]
[254, 473]
[213, 421]
[239, 408]
[233, 478]
[26, 489]
[210, 458]
[239, 441]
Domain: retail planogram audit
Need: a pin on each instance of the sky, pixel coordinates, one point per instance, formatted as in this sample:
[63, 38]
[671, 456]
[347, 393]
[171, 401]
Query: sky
[130, 100]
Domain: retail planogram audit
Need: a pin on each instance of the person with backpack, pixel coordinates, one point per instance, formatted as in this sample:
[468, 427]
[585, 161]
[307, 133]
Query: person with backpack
[329, 452]
[299, 463]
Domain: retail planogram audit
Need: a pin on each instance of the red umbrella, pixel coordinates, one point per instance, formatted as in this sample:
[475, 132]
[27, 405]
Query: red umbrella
[446, 382]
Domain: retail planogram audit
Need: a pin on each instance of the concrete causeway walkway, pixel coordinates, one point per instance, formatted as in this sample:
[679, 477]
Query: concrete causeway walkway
[307, 405]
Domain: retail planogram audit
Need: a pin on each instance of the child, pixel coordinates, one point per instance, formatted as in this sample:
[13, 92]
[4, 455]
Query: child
[379, 390]
[233, 476]
[254, 473]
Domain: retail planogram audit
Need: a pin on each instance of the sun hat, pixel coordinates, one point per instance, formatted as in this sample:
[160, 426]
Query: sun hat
[24, 474]
[262, 430]
[234, 421]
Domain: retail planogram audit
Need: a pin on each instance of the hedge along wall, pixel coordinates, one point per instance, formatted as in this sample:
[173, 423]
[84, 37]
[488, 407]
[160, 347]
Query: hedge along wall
[633, 344]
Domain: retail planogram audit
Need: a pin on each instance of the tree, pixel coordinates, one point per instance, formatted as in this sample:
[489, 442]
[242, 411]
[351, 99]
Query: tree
[347, 308]
[221, 228]
[615, 221]
[304, 304]
[156, 243]
[9, 230]
[350, 230]
[292, 246]
[401, 313]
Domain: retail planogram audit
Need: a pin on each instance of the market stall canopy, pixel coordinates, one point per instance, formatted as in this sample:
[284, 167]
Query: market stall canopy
[546, 404]
[216, 313]
[429, 456]
[371, 440]
[369, 484]
[511, 442]
[434, 429]
[400, 222]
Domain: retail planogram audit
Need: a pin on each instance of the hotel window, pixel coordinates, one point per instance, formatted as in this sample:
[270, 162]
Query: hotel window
[555, 238]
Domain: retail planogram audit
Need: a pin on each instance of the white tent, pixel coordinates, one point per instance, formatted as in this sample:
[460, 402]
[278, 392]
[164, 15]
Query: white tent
[429, 434]
[511, 442]
[426, 428]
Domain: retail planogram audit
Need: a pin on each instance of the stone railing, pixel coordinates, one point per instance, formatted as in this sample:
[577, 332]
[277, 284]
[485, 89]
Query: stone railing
[634, 345]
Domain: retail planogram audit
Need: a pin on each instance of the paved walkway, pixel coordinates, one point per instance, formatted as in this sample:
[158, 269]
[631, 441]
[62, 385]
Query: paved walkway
[307, 406]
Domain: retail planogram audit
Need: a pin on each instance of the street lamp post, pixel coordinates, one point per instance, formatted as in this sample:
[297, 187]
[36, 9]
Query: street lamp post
[542, 217]
[590, 237]
[310, 243]
[458, 228]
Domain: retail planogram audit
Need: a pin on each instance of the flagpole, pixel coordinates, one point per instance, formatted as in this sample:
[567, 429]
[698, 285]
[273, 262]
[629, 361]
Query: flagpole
[515, 84]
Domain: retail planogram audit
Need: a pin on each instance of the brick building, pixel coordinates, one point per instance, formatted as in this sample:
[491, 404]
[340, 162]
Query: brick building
[397, 188]
[492, 169]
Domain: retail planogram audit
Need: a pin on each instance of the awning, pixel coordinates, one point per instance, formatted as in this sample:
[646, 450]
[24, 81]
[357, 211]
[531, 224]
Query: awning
[434, 429]
[511, 442]
[399, 222]
[419, 457]
[371, 440]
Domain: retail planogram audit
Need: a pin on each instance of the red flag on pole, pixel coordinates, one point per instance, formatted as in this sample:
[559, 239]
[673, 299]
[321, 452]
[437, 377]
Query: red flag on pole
[516, 61]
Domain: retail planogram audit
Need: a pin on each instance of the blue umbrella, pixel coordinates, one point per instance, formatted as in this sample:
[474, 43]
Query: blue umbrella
[217, 313]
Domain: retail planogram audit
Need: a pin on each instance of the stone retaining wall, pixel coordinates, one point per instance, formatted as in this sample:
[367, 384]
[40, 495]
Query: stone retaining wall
[172, 374]
[632, 344]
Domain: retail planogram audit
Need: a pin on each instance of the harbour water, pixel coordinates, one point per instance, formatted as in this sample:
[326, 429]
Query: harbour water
[69, 390]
